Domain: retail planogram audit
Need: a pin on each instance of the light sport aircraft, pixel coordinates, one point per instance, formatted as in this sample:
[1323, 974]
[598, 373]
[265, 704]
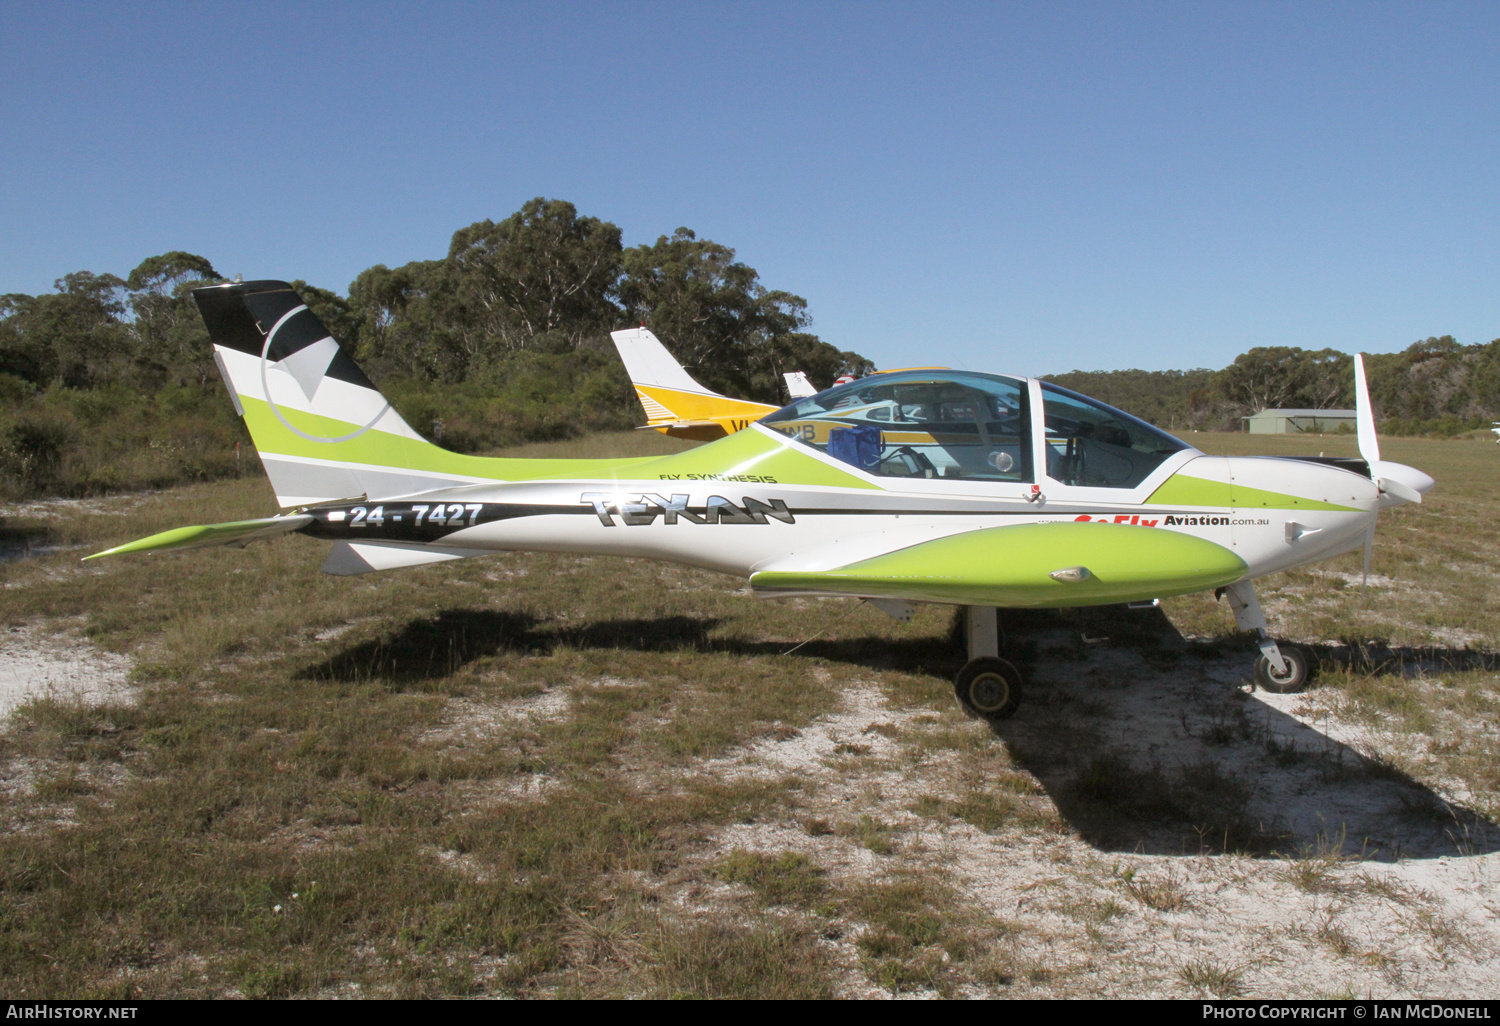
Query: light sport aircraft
[677, 405]
[975, 490]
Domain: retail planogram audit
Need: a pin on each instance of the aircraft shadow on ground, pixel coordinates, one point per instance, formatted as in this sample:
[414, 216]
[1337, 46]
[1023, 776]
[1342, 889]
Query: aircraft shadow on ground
[1149, 743]
[19, 541]
[1145, 742]
[437, 646]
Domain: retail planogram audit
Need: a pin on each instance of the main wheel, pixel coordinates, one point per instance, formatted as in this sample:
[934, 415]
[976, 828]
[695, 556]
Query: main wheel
[1297, 676]
[988, 688]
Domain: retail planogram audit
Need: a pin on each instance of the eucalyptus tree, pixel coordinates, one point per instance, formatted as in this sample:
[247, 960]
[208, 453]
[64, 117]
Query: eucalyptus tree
[713, 313]
[170, 341]
[71, 337]
[23, 354]
[1438, 378]
[1286, 377]
[542, 277]
[409, 321]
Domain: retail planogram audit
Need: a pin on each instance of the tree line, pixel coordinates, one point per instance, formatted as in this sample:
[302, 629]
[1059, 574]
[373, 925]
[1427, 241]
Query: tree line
[505, 339]
[108, 382]
[544, 281]
[1434, 386]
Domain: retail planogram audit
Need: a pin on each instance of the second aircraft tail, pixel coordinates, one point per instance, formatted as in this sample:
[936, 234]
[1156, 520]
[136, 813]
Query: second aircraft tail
[675, 404]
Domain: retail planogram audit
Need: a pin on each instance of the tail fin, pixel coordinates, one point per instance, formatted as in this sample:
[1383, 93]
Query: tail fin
[323, 430]
[797, 385]
[675, 404]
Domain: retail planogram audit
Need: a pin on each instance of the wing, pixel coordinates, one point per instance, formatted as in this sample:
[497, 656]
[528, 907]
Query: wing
[1025, 566]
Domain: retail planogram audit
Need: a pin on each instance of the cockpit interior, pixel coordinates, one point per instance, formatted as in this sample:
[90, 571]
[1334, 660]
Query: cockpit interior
[960, 425]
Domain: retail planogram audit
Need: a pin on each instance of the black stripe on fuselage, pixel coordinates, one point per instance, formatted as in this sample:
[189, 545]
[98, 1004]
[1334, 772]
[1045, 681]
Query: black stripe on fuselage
[407, 521]
[1352, 464]
[421, 521]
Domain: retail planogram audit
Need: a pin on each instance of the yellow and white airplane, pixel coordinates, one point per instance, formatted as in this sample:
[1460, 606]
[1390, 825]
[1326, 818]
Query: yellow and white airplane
[677, 405]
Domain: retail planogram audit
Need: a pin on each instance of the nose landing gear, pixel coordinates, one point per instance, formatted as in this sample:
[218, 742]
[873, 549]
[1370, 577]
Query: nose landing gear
[1282, 669]
[1294, 678]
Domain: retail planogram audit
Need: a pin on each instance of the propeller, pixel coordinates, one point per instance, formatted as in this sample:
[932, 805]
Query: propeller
[1397, 482]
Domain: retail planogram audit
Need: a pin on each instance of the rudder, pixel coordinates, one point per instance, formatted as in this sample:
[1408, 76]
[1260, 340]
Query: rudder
[673, 402]
[321, 426]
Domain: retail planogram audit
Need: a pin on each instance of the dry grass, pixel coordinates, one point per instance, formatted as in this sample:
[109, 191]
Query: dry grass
[1220, 981]
[539, 775]
[1317, 867]
[1164, 894]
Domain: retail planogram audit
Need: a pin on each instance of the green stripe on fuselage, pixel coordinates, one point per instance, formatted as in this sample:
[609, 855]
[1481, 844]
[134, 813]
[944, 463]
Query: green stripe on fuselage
[743, 454]
[380, 449]
[749, 453]
[1182, 490]
[1009, 566]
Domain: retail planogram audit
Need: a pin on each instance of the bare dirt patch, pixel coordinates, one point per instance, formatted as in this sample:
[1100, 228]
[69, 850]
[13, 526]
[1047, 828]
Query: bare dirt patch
[1246, 845]
[33, 665]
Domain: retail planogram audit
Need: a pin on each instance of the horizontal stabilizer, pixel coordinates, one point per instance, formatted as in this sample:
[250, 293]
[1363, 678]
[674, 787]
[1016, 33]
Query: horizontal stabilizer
[663, 425]
[238, 533]
[1029, 566]
[346, 559]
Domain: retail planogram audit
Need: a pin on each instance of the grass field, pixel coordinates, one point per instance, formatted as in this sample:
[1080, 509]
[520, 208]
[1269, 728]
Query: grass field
[543, 775]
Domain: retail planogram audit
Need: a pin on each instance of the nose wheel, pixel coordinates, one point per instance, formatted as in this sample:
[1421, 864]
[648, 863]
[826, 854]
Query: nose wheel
[988, 688]
[1292, 678]
[1282, 669]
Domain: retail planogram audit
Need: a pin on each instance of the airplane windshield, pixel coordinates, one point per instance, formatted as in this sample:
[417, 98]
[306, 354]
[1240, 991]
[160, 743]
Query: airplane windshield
[1094, 445]
[947, 425]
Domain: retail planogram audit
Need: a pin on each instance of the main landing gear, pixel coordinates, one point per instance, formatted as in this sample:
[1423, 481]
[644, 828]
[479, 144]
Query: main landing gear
[988, 687]
[1283, 669]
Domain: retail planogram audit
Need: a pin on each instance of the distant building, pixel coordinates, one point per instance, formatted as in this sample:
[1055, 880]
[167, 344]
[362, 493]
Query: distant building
[1293, 422]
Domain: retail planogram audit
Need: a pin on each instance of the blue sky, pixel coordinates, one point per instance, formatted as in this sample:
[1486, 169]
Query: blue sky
[1016, 187]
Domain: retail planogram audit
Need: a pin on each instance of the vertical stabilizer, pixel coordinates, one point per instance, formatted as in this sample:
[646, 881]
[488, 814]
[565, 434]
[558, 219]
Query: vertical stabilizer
[797, 385]
[322, 428]
[675, 404]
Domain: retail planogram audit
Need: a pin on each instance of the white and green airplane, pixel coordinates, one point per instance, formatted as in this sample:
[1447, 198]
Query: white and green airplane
[976, 490]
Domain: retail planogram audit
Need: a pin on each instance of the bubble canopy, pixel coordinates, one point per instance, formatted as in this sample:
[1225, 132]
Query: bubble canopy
[962, 425]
